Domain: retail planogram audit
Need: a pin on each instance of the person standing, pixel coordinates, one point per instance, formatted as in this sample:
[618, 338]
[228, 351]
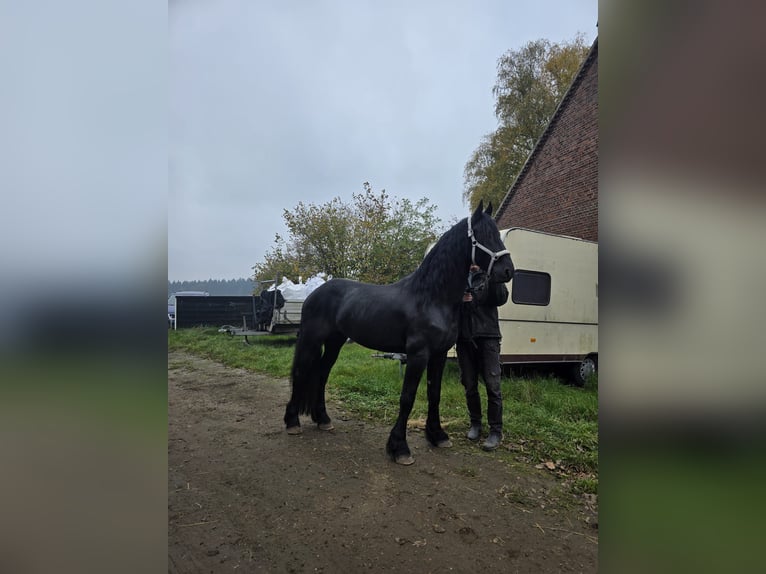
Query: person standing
[478, 354]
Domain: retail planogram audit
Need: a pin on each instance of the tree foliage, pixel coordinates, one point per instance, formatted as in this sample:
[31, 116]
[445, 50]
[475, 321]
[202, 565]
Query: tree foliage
[374, 238]
[530, 84]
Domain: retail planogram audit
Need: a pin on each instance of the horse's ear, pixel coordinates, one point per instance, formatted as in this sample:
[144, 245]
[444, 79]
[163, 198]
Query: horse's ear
[477, 213]
[489, 209]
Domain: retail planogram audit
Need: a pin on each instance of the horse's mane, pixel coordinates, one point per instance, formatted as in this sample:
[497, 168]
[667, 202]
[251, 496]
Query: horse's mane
[447, 260]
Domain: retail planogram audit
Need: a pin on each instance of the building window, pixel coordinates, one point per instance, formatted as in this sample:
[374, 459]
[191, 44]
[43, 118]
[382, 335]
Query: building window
[531, 288]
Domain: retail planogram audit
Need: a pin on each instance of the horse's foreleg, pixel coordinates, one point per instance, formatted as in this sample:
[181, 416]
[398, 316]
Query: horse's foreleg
[397, 447]
[434, 432]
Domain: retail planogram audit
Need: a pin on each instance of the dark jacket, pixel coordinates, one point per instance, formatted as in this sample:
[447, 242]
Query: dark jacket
[478, 318]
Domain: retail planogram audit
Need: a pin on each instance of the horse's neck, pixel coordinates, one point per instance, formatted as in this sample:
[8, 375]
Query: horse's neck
[443, 277]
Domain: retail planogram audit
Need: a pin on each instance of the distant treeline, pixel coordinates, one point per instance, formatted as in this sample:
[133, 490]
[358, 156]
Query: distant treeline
[214, 286]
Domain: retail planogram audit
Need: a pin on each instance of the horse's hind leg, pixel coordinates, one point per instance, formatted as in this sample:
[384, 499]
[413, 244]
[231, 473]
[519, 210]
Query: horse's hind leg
[434, 431]
[332, 348]
[292, 421]
[305, 359]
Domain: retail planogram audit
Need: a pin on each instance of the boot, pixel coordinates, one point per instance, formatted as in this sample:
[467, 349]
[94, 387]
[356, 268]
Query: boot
[493, 441]
[474, 432]
[474, 413]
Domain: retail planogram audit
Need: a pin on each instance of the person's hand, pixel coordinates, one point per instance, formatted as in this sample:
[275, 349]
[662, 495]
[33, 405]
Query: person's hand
[467, 297]
[474, 267]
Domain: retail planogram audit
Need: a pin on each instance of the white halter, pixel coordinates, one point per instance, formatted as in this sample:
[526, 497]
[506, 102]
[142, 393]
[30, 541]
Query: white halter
[494, 255]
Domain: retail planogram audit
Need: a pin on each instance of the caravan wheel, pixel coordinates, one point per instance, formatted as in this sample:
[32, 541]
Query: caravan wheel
[583, 370]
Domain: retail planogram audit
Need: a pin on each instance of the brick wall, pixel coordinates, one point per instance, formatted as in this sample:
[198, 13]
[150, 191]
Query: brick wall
[557, 190]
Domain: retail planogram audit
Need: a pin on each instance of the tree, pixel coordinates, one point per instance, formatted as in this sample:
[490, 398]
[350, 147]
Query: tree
[374, 238]
[530, 84]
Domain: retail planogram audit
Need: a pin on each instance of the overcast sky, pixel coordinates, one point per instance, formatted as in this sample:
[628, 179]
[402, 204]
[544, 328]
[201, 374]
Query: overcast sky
[272, 103]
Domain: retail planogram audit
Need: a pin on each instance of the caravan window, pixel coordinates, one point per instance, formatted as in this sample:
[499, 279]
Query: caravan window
[531, 288]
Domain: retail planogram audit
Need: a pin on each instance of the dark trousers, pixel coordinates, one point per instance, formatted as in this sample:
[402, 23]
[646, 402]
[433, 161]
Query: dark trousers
[482, 357]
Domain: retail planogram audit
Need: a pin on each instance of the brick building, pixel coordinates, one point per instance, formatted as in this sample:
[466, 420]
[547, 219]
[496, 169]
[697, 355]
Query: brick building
[557, 189]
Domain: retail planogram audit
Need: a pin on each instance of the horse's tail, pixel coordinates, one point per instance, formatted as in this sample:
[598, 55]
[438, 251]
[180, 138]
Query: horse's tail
[305, 374]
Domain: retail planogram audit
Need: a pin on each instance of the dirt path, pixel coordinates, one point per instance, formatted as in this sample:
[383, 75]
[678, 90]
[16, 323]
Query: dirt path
[243, 496]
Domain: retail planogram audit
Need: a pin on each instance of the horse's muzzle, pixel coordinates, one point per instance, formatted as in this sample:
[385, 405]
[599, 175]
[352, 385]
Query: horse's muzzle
[502, 274]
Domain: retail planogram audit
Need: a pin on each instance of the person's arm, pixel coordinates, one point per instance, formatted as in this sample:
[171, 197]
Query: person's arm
[499, 294]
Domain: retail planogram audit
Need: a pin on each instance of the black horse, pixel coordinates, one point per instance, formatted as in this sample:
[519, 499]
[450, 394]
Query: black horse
[417, 315]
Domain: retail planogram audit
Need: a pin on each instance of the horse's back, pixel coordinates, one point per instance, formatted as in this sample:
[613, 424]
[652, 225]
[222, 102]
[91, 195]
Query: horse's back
[371, 315]
[323, 305]
[327, 297]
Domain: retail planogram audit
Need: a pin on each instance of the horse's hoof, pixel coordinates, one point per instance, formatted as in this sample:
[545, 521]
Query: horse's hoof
[446, 443]
[326, 426]
[405, 459]
[294, 430]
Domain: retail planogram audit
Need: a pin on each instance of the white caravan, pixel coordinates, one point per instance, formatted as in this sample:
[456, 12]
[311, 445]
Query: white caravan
[552, 311]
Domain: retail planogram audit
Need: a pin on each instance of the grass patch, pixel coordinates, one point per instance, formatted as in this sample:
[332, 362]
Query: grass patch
[268, 354]
[543, 419]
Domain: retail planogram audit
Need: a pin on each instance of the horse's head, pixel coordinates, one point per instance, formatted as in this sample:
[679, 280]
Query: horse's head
[487, 249]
